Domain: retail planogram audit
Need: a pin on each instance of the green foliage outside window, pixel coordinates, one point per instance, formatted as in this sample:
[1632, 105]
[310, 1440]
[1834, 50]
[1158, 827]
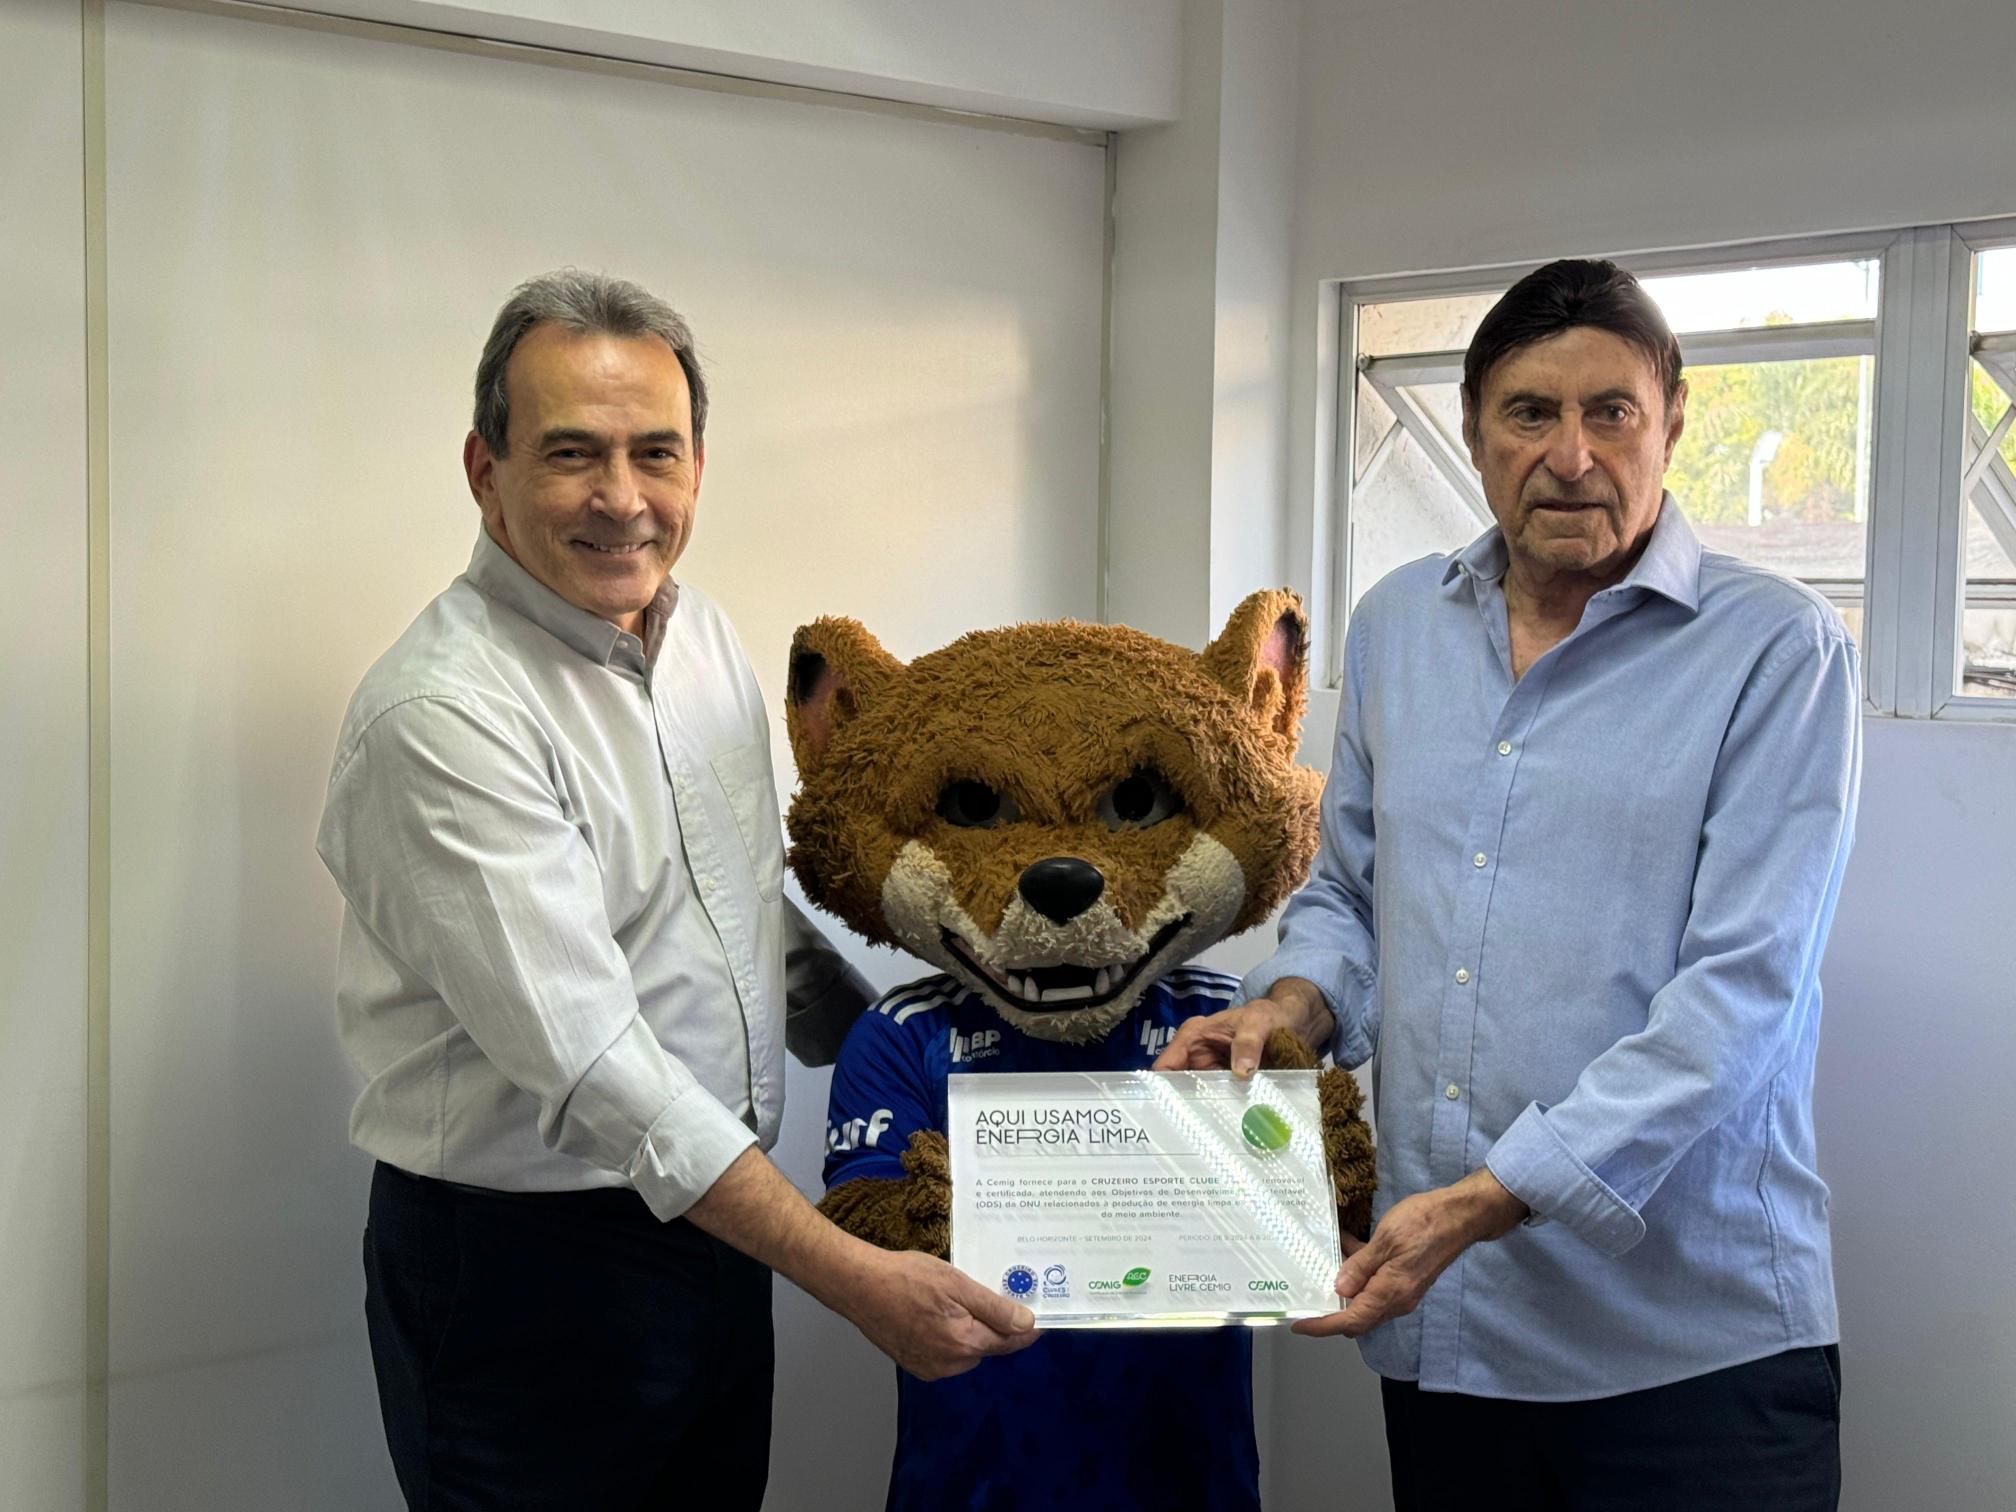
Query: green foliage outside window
[1813, 405]
[1989, 403]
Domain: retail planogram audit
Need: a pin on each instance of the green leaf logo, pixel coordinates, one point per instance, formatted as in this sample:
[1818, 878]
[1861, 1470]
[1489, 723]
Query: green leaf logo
[1265, 1130]
[1135, 1277]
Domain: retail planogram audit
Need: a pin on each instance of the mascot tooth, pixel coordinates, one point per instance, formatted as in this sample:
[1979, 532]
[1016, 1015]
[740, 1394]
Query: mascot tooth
[1057, 817]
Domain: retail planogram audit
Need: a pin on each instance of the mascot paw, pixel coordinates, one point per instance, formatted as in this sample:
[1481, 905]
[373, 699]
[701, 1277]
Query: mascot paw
[1348, 1144]
[1346, 1140]
[927, 1195]
[1284, 1052]
[914, 1213]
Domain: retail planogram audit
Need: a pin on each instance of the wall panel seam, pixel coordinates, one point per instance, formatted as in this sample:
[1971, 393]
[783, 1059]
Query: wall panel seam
[98, 863]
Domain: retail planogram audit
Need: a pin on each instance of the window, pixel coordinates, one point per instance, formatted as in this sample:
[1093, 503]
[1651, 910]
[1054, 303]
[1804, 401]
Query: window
[1796, 455]
[1988, 625]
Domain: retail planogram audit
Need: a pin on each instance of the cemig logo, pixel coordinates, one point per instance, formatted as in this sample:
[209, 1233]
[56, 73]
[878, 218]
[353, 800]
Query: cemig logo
[1267, 1286]
[856, 1132]
[978, 1045]
[1134, 1280]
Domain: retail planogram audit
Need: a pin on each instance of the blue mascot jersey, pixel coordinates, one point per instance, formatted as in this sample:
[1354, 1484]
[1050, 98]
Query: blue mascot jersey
[1080, 1419]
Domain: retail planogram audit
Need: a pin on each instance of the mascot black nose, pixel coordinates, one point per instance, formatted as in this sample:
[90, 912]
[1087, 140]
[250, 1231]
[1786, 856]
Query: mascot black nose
[1061, 888]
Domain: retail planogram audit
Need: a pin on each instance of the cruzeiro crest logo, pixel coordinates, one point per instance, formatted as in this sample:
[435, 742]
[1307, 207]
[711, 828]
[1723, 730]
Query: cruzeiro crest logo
[1019, 1282]
[1265, 1130]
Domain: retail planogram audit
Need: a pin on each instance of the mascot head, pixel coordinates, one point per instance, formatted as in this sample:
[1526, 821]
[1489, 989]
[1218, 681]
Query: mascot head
[1059, 813]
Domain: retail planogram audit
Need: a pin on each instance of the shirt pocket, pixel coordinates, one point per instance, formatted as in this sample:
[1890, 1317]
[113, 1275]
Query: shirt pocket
[744, 775]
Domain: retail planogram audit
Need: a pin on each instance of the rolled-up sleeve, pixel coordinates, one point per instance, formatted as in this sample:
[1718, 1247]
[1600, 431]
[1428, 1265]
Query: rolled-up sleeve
[1774, 843]
[1326, 932]
[452, 844]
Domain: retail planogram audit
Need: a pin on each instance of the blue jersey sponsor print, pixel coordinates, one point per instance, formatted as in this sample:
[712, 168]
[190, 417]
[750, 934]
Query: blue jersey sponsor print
[1081, 1419]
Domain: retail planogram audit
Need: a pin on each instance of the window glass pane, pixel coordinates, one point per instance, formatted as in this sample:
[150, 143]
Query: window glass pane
[1995, 290]
[1988, 620]
[1988, 635]
[1421, 325]
[1794, 295]
[1773, 466]
[1404, 505]
[1994, 391]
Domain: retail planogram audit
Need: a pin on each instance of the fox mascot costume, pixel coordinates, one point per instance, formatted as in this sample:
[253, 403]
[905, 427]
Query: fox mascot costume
[1057, 816]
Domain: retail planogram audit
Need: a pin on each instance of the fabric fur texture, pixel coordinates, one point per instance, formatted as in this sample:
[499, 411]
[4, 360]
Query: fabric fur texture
[928, 791]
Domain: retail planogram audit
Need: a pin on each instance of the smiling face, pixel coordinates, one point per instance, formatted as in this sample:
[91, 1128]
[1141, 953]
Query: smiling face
[1572, 436]
[595, 495]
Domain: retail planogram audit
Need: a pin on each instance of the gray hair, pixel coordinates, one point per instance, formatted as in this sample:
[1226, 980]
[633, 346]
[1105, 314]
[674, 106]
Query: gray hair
[588, 303]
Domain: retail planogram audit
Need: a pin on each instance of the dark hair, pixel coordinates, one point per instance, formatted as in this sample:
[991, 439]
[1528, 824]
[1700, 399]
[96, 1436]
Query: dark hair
[1565, 294]
[591, 304]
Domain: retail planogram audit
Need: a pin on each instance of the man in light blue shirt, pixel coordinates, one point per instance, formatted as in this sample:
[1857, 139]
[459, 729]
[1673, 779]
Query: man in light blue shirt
[1592, 794]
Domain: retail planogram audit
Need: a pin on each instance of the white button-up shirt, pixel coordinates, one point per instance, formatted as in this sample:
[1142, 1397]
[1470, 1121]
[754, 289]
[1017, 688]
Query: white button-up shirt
[564, 952]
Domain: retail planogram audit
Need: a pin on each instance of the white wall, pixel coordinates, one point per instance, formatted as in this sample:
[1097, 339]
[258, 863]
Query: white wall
[1202, 304]
[43, 760]
[1453, 133]
[1253, 367]
[1920, 984]
[1112, 64]
[1164, 318]
[308, 236]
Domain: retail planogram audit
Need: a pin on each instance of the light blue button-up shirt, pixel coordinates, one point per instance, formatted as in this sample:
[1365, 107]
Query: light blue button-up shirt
[1578, 918]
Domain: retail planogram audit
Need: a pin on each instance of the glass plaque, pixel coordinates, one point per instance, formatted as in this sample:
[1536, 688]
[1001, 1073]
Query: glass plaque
[1143, 1199]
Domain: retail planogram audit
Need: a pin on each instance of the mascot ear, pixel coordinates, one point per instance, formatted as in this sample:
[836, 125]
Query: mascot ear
[1262, 659]
[835, 664]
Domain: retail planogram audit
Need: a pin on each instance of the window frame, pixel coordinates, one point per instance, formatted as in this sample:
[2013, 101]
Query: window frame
[1913, 591]
[1994, 476]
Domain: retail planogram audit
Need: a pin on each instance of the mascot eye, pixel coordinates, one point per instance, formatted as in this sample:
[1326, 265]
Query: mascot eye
[974, 805]
[1138, 801]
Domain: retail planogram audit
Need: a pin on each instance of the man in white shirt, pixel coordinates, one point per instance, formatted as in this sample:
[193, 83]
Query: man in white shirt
[565, 968]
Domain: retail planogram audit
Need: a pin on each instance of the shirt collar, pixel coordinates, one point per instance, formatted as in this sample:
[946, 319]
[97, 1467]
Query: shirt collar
[502, 580]
[1669, 566]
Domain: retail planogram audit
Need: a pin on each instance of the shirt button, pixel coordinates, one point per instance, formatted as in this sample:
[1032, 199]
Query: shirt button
[1452, 1091]
[1479, 859]
[1504, 748]
[1462, 975]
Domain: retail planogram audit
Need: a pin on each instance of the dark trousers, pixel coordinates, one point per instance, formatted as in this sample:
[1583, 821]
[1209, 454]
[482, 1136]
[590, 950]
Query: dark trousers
[546, 1351]
[1761, 1435]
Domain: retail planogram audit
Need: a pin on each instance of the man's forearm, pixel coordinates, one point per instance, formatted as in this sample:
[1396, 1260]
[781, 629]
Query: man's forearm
[753, 1207]
[1482, 1208]
[927, 1317]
